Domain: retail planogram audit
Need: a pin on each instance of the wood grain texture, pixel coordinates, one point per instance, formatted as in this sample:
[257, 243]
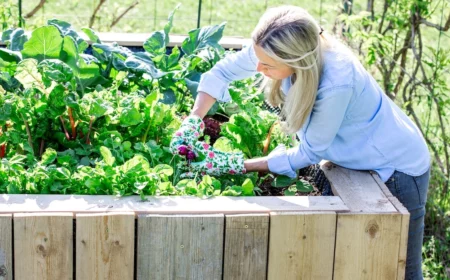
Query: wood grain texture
[357, 189]
[6, 247]
[43, 246]
[180, 247]
[167, 204]
[246, 245]
[404, 226]
[367, 246]
[105, 246]
[301, 245]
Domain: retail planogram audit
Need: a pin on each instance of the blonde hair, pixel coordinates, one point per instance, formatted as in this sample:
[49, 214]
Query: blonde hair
[290, 35]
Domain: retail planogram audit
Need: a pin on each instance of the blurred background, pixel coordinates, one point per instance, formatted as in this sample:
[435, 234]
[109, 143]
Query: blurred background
[144, 16]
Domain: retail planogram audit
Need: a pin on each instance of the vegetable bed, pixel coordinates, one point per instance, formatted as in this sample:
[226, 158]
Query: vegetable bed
[90, 189]
[101, 123]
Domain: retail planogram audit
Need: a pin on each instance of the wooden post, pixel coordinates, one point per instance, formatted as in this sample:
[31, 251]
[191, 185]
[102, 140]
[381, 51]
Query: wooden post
[105, 246]
[180, 247]
[5, 246]
[246, 245]
[367, 246]
[43, 246]
[301, 245]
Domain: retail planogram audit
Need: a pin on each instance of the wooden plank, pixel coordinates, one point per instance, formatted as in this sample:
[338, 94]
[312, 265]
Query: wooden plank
[246, 244]
[167, 204]
[138, 39]
[357, 189]
[404, 226]
[367, 246]
[105, 246]
[180, 247]
[5, 247]
[43, 246]
[301, 245]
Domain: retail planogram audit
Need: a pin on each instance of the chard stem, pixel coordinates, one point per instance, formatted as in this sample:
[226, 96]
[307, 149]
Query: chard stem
[144, 138]
[88, 141]
[41, 150]
[30, 140]
[72, 123]
[64, 127]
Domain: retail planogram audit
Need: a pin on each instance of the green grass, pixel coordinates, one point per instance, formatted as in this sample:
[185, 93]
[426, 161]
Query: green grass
[150, 15]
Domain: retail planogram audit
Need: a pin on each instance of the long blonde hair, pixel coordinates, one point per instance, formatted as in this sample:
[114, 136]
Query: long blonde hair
[290, 35]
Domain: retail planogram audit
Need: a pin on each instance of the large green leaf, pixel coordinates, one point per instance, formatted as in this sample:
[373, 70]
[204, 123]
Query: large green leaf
[156, 43]
[55, 70]
[66, 29]
[105, 52]
[141, 62]
[6, 35]
[17, 40]
[168, 97]
[99, 108]
[45, 42]
[92, 35]
[169, 23]
[130, 116]
[282, 181]
[69, 53]
[89, 74]
[48, 156]
[107, 155]
[28, 75]
[10, 56]
[199, 39]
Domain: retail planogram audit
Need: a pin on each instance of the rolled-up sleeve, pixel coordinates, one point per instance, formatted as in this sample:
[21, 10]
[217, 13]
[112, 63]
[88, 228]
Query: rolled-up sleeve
[236, 66]
[319, 133]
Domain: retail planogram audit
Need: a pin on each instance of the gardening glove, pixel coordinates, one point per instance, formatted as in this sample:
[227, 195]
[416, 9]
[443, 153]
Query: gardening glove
[184, 138]
[214, 162]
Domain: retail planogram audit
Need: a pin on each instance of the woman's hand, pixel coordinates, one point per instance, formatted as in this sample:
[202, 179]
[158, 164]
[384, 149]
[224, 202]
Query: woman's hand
[214, 162]
[184, 138]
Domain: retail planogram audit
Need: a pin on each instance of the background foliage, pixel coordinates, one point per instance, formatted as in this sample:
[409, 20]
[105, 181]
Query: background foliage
[403, 43]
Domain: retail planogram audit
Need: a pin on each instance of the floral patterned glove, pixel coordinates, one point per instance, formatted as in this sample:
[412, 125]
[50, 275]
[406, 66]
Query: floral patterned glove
[185, 137]
[215, 162]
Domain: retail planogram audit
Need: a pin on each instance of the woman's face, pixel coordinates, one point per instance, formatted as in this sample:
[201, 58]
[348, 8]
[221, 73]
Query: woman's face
[270, 67]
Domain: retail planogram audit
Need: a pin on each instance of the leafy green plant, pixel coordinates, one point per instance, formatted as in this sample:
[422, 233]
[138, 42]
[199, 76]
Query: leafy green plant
[100, 123]
[292, 185]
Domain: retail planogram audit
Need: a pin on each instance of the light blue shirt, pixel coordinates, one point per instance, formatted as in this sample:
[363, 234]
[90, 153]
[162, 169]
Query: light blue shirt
[352, 123]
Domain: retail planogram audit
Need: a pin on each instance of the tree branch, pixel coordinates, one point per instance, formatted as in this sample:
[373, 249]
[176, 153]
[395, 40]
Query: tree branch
[91, 21]
[37, 8]
[446, 26]
[116, 20]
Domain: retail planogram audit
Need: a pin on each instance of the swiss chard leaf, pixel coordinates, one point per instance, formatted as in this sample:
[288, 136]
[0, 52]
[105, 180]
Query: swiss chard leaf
[45, 42]
[141, 62]
[92, 35]
[66, 30]
[202, 38]
[282, 181]
[10, 56]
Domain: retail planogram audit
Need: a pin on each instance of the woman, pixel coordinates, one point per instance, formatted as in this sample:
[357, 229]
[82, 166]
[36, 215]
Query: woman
[333, 104]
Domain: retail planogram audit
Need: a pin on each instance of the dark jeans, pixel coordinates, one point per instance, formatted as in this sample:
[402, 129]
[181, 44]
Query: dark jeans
[411, 191]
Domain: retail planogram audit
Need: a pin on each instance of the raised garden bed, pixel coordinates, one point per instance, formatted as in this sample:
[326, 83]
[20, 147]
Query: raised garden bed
[359, 233]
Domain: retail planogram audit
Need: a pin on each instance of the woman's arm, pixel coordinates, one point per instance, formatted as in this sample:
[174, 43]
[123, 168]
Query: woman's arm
[326, 119]
[256, 164]
[233, 67]
[202, 104]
